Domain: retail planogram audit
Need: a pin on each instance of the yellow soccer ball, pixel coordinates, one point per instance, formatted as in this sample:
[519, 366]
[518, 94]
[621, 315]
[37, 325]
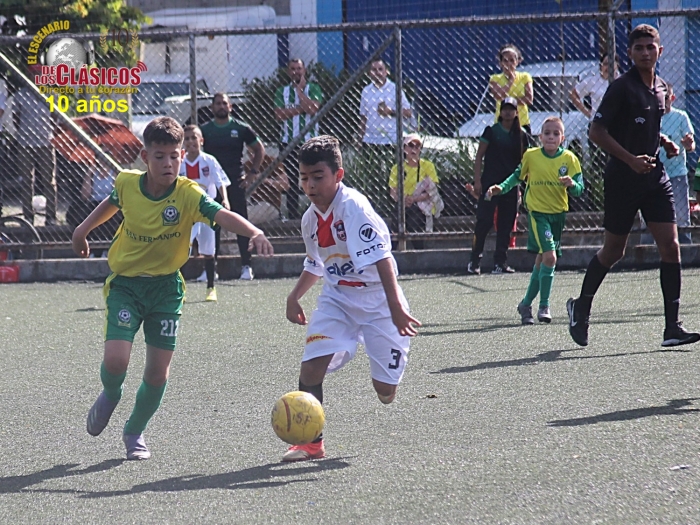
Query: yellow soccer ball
[298, 418]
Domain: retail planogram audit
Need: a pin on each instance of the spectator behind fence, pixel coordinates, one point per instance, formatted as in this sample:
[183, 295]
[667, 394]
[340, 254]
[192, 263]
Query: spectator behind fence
[501, 148]
[416, 170]
[295, 106]
[224, 139]
[378, 119]
[36, 156]
[512, 83]
[593, 87]
[676, 125]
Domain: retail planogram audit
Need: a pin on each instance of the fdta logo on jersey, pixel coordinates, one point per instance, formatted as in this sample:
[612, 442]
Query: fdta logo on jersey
[345, 269]
[171, 216]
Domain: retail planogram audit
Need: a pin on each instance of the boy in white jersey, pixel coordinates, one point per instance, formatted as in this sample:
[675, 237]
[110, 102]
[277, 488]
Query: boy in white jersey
[348, 245]
[206, 171]
[145, 286]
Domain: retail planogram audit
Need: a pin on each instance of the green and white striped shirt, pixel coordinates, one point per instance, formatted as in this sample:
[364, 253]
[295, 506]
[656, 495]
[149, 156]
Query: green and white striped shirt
[286, 97]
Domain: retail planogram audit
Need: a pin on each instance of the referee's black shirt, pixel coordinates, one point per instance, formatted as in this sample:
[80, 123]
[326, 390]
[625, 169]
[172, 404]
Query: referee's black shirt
[631, 112]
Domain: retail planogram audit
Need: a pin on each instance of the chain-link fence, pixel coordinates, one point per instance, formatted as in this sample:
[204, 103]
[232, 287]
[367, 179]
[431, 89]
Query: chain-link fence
[370, 85]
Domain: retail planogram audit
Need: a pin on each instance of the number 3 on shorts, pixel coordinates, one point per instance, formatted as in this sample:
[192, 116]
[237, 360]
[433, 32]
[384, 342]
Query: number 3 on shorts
[169, 327]
[396, 355]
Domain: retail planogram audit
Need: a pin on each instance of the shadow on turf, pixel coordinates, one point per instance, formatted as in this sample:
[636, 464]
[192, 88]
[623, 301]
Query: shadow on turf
[675, 407]
[264, 476]
[545, 357]
[12, 484]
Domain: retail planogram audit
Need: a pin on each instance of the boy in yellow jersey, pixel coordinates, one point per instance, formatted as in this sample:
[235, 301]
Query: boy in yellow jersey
[552, 173]
[145, 285]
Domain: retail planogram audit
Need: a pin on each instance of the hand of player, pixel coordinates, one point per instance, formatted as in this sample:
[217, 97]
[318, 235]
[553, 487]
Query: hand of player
[295, 313]
[687, 141]
[477, 187]
[405, 322]
[566, 181]
[261, 245]
[493, 190]
[672, 149]
[226, 204]
[80, 244]
[383, 110]
[643, 164]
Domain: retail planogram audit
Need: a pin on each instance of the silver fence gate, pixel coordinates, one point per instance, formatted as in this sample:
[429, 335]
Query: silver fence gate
[61, 146]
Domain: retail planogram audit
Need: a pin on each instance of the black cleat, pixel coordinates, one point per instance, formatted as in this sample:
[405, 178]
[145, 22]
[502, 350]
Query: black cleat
[677, 335]
[578, 327]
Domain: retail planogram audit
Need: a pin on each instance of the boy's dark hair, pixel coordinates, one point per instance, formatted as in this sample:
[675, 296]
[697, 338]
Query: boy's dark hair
[191, 127]
[643, 31]
[323, 148]
[295, 60]
[163, 130]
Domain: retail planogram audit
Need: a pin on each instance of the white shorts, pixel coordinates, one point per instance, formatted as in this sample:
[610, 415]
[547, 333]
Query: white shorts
[346, 316]
[206, 238]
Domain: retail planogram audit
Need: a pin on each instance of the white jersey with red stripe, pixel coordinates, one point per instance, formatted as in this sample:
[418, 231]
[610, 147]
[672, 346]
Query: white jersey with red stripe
[344, 244]
[206, 171]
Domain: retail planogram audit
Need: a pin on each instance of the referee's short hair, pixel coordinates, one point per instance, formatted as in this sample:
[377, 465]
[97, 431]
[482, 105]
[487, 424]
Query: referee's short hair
[643, 31]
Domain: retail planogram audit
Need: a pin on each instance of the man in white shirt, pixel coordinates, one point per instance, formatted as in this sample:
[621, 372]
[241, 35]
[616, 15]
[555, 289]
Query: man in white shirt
[378, 120]
[593, 86]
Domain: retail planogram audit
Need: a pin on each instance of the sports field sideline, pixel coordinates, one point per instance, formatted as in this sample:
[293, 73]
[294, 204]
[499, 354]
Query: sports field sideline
[493, 423]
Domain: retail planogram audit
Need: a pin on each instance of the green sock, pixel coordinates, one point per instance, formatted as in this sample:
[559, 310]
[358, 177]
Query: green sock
[148, 400]
[113, 384]
[533, 288]
[546, 280]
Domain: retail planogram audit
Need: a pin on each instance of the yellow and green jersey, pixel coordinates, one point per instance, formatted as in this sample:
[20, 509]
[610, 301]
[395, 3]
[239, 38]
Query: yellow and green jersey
[154, 237]
[544, 193]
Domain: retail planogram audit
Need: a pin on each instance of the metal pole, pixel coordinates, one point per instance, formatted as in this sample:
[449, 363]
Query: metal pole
[401, 245]
[193, 81]
[611, 44]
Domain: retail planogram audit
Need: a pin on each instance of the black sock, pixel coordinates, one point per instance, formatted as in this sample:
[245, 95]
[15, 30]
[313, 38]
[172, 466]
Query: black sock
[209, 268]
[670, 274]
[595, 273]
[317, 392]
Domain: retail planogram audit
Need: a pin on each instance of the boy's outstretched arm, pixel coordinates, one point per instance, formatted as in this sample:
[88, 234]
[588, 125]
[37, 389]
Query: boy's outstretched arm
[401, 318]
[101, 214]
[295, 313]
[235, 223]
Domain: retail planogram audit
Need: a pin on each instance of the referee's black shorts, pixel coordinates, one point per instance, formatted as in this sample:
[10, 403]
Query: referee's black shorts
[623, 199]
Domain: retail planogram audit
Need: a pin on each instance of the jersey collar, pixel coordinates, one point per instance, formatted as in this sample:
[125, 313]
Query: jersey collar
[142, 186]
[559, 151]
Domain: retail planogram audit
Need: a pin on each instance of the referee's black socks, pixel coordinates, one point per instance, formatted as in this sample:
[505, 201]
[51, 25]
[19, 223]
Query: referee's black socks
[670, 274]
[595, 273]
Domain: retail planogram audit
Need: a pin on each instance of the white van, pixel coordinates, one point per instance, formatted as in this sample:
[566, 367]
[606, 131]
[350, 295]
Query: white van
[222, 61]
[551, 82]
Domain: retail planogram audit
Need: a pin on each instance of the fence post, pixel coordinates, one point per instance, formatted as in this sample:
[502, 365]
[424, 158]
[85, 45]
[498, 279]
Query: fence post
[401, 244]
[193, 81]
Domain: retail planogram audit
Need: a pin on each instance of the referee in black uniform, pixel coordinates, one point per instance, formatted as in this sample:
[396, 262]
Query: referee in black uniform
[627, 125]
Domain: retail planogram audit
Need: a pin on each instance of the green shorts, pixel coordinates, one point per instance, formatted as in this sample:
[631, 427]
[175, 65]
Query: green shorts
[154, 301]
[545, 231]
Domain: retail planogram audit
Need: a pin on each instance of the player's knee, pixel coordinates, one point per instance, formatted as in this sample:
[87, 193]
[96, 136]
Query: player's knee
[549, 259]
